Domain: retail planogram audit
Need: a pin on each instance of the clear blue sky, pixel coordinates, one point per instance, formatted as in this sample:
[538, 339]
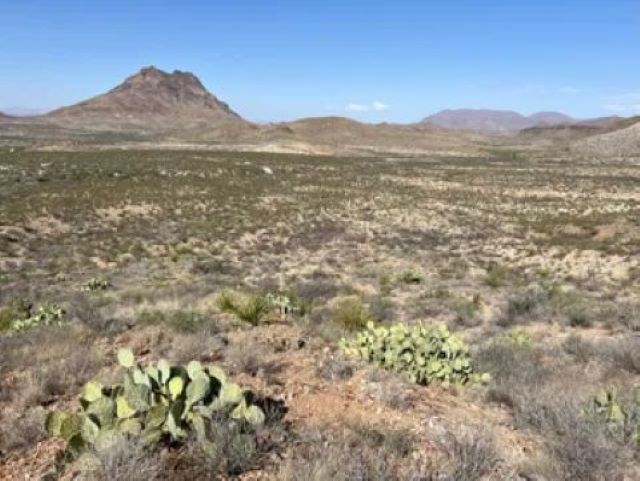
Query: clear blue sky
[373, 60]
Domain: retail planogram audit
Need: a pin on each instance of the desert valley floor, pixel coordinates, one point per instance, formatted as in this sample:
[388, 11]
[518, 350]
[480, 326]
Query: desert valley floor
[534, 261]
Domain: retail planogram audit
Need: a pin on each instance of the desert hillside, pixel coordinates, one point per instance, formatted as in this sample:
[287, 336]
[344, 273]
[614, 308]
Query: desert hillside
[150, 99]
[624, 142]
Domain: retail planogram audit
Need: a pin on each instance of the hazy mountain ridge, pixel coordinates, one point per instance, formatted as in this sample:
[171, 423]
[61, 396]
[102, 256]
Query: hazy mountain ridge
[494, 121]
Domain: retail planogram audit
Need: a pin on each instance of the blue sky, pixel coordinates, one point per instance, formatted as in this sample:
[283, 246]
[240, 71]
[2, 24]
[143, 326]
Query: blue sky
[373, 60]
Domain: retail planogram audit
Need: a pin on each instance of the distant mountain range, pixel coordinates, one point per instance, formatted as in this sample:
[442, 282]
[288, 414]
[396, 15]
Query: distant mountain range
[158, 106]
[495, 121]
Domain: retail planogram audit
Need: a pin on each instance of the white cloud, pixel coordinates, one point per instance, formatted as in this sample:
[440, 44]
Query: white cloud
[357, 108]
[379, 106]
[570, 90]
[375, 106]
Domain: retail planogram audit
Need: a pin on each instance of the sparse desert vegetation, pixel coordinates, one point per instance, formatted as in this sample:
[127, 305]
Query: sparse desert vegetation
[523, 271]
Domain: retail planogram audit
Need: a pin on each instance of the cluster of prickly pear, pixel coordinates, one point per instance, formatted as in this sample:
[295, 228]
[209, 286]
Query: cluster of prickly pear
[96, 284]
[157, 402]
[425, 354]
[606, 405]
[47, 315]
[622, 416]
[519, 338]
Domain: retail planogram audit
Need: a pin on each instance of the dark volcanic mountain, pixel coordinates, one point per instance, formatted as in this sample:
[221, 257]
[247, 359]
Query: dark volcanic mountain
[150, 100]
[494, 121]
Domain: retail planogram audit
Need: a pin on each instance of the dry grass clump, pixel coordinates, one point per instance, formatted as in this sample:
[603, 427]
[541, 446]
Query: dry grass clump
[22, 432]
[182, 321]
[49, 362]
[626, 314]
[545, 303]
[529, 304]
[472, 454]
[581, 446]
[127, 460]
[182, 348]
[365, 455]
[250, 359]
[619, 353]
[390, 388]
[335, 368]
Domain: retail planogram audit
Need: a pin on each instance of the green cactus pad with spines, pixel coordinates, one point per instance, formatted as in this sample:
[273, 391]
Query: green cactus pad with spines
[126, 358]
[425, 354]
[151, 404]
[193, 369]
[176, 386]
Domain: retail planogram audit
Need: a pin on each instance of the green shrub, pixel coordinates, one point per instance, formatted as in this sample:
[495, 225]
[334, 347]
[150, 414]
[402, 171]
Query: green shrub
[574, 307]
[411, 276]
[425, 354]
[350, 313]
[152, 404]
[497, 276]
[13, 310]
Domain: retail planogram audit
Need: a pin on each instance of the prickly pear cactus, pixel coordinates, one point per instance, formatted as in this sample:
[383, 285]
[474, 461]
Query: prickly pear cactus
[46, 315]
[154, 403]
[96, 284]
[425, 354]
[622, 416]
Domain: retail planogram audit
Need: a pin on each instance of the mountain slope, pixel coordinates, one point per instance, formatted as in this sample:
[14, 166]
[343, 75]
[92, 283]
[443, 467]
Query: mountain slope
[550, 118]
[493, 121]
[149, 100]
[624, 142]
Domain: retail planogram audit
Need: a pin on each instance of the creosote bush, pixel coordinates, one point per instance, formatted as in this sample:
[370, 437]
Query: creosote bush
[156, 403]
[349, 312]
[423, 353]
